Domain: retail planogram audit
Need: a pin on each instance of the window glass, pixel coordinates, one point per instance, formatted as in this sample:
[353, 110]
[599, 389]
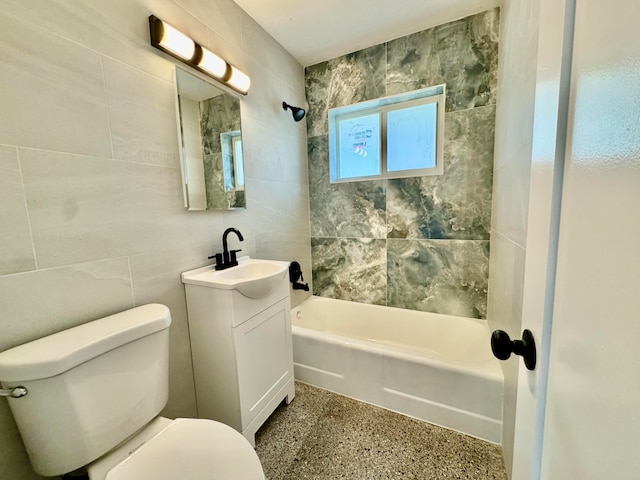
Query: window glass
[359, 140]
[390, 137]
[238, 162]
[411, 138]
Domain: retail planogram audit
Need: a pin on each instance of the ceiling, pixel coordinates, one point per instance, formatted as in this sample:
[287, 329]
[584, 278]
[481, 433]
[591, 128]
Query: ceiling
[317, 30]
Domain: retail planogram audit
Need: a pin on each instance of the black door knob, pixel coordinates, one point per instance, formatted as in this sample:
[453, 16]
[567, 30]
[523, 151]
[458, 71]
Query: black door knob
[502, 347]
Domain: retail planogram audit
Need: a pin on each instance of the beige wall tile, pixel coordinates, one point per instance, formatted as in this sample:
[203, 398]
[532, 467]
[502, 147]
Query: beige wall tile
[506, 276]
[53, 95]
[277, 206]
[156, 279]
[514, 122]
[43, 302]
[142, 115]
[224, 17]
[265, 51]
[511, 199]
[85, 208]
[15, 236]
[37, 304]
[279, 156]
[117, 28]
[288, 247]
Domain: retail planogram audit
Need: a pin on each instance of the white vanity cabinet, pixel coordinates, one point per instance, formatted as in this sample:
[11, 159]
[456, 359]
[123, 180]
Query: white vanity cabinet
[242, 353]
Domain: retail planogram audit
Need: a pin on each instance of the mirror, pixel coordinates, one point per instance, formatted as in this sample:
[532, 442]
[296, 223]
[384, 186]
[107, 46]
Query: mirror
[210, 136]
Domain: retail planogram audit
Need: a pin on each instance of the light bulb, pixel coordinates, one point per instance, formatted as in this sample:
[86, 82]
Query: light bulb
[212, 64]
[177, 42]
[239, 80]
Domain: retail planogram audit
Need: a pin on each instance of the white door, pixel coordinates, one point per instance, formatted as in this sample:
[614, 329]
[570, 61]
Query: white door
[578, 415]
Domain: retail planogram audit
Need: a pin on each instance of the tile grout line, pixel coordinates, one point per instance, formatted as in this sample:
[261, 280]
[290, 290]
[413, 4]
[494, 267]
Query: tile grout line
[26, 207]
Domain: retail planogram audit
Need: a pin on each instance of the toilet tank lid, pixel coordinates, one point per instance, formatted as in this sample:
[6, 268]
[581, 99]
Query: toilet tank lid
[57, 353]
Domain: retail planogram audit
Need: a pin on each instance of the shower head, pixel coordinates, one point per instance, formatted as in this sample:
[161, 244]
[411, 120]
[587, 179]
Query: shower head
[297, 112]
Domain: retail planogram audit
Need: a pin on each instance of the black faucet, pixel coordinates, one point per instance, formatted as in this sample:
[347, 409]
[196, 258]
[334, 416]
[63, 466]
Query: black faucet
[227, 258]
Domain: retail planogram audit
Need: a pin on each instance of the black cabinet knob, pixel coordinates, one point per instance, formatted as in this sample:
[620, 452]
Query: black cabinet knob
[502, 347]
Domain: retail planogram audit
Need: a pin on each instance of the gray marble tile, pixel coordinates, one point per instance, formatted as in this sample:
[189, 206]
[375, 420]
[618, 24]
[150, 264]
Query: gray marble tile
[322, 435]
[454, 206]
[463, 54]
[322, 217]
[344, 80]
[356, 209]
[457, 204]
[350, 269]
[441, 276]
[218, 115]
[217, 197]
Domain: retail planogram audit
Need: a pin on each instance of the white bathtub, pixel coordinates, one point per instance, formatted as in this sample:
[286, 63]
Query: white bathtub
[437, 368]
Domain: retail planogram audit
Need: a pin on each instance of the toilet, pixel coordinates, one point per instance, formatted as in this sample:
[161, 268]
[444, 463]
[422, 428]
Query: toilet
[93, 398]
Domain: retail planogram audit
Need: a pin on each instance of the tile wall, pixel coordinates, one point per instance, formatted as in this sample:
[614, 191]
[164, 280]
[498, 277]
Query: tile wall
[219, 115]
[511, 186]
[92, 219]
[418, 243]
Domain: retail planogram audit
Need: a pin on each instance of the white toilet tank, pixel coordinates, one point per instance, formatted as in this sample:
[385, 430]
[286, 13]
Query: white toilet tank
[89, 387]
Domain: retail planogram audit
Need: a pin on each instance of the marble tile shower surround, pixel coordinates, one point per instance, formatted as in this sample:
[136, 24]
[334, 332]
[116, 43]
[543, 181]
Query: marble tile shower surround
[361, 281]
[420, 243]
[439, 276]
[218, 115]
[217, 197]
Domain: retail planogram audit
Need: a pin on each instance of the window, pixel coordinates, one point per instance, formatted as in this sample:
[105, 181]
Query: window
[391, 137]
[232, 163]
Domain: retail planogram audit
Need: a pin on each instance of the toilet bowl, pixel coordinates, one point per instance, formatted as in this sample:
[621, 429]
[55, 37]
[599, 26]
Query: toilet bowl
[93, 398]
[184, 448]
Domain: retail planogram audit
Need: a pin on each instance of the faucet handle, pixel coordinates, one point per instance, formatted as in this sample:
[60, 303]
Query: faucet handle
[233, 258]
[218, 257]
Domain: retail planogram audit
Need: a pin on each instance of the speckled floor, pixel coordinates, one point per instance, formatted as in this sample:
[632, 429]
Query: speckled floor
[322, 435]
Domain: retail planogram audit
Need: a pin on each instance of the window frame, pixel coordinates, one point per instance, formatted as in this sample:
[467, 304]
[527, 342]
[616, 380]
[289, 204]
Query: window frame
[435, 94]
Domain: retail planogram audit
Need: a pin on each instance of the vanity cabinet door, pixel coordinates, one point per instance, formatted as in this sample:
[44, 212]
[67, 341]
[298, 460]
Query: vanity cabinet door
[264, 358]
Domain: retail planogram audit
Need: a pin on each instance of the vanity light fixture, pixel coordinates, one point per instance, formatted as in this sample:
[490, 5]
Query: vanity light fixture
[175, 43]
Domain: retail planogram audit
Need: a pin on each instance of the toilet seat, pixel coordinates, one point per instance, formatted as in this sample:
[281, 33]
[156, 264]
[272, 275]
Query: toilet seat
[192, 449]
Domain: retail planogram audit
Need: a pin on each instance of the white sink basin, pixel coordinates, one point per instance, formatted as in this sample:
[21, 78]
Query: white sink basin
[253, 278]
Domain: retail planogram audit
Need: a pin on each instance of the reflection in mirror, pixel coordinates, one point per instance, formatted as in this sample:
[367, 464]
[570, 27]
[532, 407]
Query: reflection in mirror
[211, 139]
[232, 160]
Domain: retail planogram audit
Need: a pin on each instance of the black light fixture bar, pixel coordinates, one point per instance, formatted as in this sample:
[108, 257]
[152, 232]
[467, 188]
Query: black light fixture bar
[175, 43]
